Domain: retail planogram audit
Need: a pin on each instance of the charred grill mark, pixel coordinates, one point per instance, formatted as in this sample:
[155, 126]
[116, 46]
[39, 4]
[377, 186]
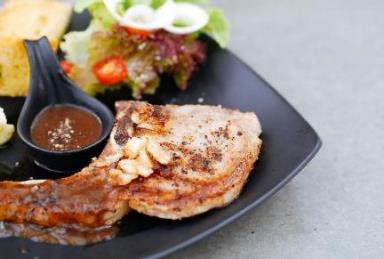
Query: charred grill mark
[201, 160]
[163, 171]
[212, 190]
[199, 163]
[214, 153]
[155, 114]
[122, 134]
[159, 114]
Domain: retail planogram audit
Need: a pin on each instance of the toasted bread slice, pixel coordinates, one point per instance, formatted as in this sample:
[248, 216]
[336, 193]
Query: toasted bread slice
[26, 19]
[14, 67]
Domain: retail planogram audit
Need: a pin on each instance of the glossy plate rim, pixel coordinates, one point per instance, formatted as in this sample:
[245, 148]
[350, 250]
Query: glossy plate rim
[270, 193]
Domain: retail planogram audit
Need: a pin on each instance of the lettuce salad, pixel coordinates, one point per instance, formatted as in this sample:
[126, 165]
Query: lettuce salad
[133, 42]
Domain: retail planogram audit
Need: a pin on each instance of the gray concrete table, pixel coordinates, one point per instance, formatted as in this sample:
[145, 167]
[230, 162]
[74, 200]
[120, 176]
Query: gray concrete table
[327, 58]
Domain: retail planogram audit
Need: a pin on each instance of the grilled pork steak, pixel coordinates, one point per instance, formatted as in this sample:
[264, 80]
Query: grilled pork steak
[208, 152]
[165, 161]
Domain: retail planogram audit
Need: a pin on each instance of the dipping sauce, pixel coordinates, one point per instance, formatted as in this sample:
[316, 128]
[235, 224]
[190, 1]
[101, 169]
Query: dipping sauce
[65, 128]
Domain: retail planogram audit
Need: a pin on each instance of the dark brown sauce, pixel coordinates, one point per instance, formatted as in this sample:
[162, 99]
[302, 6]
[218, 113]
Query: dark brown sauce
[65, 128]
[78, 203]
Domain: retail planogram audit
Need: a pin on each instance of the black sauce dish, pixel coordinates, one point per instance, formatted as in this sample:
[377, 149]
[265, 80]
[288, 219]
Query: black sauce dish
[49, 86]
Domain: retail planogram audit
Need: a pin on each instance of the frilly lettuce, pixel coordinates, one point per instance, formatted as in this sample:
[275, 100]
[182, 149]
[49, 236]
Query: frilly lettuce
[81, 5]
[101, 39]
[75, 44]
[157, 3]
[217, 27]
[98, 11]
[76, 47]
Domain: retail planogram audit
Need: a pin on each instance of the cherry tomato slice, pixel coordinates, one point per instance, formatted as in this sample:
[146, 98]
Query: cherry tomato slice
[110, 71]
[141, 33]
[67, 66]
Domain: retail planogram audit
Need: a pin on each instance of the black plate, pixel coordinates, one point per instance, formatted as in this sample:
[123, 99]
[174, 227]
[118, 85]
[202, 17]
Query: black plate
[289, 144]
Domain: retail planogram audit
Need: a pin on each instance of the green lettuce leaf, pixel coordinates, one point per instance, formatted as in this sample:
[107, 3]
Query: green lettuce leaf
[75, 44]
[217, 27]
[98, 10]
[157, 3]
[81, 5]
[101, 13]
[192, 1]
[123, 6]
